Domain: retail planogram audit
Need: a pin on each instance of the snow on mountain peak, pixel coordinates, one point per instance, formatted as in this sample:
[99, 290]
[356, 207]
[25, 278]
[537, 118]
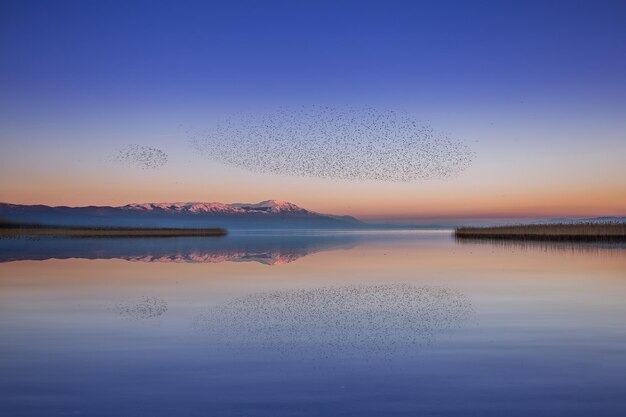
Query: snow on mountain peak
[272, 206]
[267, 206]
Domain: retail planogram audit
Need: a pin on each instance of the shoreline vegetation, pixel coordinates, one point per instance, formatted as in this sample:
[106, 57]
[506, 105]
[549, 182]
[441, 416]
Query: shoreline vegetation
[575, 232]
[33, 230]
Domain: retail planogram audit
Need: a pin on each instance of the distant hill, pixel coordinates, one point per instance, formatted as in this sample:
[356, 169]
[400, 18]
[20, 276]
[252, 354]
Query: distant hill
[270, 214]
[605, 219]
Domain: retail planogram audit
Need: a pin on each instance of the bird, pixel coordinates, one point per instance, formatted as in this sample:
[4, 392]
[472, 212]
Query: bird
[139, 156]
[335, 143]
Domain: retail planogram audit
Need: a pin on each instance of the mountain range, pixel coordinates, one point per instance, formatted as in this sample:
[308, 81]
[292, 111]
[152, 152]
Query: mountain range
[269, 214]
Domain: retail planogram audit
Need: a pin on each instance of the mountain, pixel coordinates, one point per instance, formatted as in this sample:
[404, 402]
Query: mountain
[269, 214]
[268, 206]
[604, 219]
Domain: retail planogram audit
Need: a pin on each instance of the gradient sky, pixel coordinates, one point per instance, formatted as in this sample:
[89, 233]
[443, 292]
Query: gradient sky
[537, 88]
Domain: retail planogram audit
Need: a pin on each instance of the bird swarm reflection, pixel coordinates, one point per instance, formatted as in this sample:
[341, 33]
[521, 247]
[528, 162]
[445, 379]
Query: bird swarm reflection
[144, 308]
[369, 318]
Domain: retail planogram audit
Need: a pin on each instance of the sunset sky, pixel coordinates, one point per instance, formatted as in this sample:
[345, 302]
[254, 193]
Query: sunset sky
[536, 89]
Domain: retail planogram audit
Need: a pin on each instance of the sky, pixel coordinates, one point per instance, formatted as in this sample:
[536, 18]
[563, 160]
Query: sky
[537, 89]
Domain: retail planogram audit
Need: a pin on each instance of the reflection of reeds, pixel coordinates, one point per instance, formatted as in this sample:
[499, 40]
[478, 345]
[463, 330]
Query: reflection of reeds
[16, 230]
[579, 232]
[576, 247]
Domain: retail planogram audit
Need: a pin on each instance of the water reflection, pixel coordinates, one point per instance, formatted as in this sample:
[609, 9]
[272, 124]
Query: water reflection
[269, 249]
[145, 307]
[358, 320]
[390, 324]
[530, 245]
[266, 247]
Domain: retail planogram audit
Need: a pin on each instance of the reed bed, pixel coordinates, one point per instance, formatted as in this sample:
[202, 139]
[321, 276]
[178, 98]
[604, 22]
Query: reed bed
[43, 231]
[589, 232]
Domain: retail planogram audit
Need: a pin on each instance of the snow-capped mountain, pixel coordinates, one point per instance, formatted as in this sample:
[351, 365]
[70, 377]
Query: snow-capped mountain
[269, 214]
[268, 206]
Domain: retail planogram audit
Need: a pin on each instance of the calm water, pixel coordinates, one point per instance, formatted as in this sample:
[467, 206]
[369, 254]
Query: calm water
[311, 324]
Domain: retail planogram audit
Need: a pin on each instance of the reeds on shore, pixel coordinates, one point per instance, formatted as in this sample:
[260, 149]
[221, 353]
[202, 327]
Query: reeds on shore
[18, 230]
[589, 232]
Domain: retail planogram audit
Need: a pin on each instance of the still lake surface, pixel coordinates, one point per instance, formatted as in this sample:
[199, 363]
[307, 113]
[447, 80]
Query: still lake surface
[311, 324]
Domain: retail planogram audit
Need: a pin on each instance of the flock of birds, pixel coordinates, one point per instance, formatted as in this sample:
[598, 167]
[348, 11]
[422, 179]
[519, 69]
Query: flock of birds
[323, 142]
[366, 318]
[146, 307]
[143, 157]
[339, 144]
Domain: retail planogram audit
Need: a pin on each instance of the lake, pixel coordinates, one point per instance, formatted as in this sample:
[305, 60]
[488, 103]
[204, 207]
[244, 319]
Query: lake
[305, 323]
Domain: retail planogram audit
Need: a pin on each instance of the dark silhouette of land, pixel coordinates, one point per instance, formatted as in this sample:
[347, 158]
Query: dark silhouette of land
[575, 232]
[11, 229]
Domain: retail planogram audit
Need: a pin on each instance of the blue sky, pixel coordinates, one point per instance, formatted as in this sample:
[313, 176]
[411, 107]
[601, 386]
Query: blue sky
[290, 51]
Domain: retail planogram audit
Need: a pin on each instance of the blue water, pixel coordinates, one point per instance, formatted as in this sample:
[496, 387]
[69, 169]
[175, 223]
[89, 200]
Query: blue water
[311, 324]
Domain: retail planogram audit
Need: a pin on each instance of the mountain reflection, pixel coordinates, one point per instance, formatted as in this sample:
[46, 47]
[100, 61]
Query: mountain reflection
[269, 249]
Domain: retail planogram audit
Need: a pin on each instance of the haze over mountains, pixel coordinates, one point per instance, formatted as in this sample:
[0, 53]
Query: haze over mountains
[266, 214]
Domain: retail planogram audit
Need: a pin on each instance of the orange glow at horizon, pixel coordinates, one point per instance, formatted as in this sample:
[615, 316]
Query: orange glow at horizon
[365, 201]
[503, 182]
